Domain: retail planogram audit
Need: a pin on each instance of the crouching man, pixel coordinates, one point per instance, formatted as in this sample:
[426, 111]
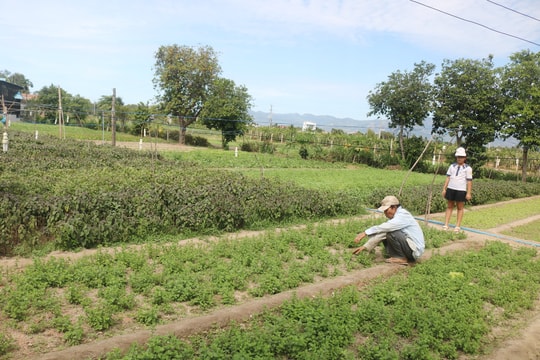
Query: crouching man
[401, 234]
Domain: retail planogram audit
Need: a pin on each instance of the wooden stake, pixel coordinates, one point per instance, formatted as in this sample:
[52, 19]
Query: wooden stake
[60, 114]
[113, 118]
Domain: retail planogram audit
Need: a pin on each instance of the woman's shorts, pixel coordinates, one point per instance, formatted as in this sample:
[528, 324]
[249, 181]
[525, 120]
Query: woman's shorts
[455, 195]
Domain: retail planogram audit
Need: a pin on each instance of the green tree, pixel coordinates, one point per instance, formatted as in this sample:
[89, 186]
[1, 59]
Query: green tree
[227, 109]
[17, 79]
[77, 108]
[405, 99]
[521, 89]
[47, 102]
[141, 118]
[104, 104]
[414, 147]
[183, 77]
[468, 105]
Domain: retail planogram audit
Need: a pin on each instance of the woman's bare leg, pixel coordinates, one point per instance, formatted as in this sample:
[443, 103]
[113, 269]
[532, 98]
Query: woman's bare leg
[449, 209]
[460, 210]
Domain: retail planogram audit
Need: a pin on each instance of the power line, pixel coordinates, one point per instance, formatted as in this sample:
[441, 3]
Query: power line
[475, 23]
[517, 12]
[162, 119]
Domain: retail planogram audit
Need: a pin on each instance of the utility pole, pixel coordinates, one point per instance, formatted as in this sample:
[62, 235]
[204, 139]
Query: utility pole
[270, 116]
[102, 128]
[113, 118]
[60, 113]
[4, 113]
[5, 139]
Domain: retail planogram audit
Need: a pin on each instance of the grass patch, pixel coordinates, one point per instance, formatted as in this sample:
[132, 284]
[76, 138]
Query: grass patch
[493, 216]
[528, 231]
[73, 132]
[310, 174]
[226, 159]
[361, 179]
[357, 180]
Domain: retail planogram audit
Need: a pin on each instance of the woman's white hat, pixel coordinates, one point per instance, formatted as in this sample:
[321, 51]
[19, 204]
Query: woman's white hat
[460, 152]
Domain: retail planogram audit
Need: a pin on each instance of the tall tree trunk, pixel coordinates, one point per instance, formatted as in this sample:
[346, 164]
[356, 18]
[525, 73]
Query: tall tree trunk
[223, 140]
[182, 134]
[524, 164]
[401, 142]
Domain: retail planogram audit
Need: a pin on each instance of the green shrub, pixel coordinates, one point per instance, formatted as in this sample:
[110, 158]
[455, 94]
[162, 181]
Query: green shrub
[148, 316]
[117, 297]
[74, 336]
[157, 348]
[7, 344]
[196, 141]
[267, 147]
[489, 173]
[100, 317]
[303, 152]
[62, 323]
[364, 157]
[75, 295]
[249, 147]
[99, 195]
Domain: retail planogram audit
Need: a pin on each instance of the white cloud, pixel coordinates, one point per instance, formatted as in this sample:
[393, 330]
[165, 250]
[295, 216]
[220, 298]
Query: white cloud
[352, 19]
[286, 20]
[305, 53]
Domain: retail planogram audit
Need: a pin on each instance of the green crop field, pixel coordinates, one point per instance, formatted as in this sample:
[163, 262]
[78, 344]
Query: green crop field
[132, 211]
[444, 309]
[359, 179]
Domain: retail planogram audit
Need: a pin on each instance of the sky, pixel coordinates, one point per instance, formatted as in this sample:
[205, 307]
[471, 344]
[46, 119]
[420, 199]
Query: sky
[319, 57]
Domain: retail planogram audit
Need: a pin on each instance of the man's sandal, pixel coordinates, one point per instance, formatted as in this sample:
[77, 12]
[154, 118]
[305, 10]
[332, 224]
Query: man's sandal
[457, 229]
[397, 261]
[359, 250]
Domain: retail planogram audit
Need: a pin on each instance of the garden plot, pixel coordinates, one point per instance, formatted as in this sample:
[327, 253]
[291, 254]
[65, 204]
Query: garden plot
[223, 314]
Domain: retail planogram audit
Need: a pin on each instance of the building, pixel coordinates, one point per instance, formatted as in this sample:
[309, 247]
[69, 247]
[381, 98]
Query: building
[309, 126]
[11, 96]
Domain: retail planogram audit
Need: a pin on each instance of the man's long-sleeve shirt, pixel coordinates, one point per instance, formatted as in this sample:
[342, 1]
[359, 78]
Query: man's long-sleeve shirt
[404, 221]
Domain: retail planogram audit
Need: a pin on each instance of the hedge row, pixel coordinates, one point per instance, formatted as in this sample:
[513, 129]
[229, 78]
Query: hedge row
[82, 195]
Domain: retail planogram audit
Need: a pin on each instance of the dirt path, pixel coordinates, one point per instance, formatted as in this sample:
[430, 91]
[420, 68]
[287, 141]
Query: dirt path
[523, 345]
[514, 224]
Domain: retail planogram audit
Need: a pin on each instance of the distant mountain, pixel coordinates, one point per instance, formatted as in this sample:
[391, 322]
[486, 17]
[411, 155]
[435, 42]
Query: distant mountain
[324, 122]
[327, 123]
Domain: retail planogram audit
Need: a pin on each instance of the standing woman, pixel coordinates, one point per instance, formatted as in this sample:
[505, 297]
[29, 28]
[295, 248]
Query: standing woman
[457, 188]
